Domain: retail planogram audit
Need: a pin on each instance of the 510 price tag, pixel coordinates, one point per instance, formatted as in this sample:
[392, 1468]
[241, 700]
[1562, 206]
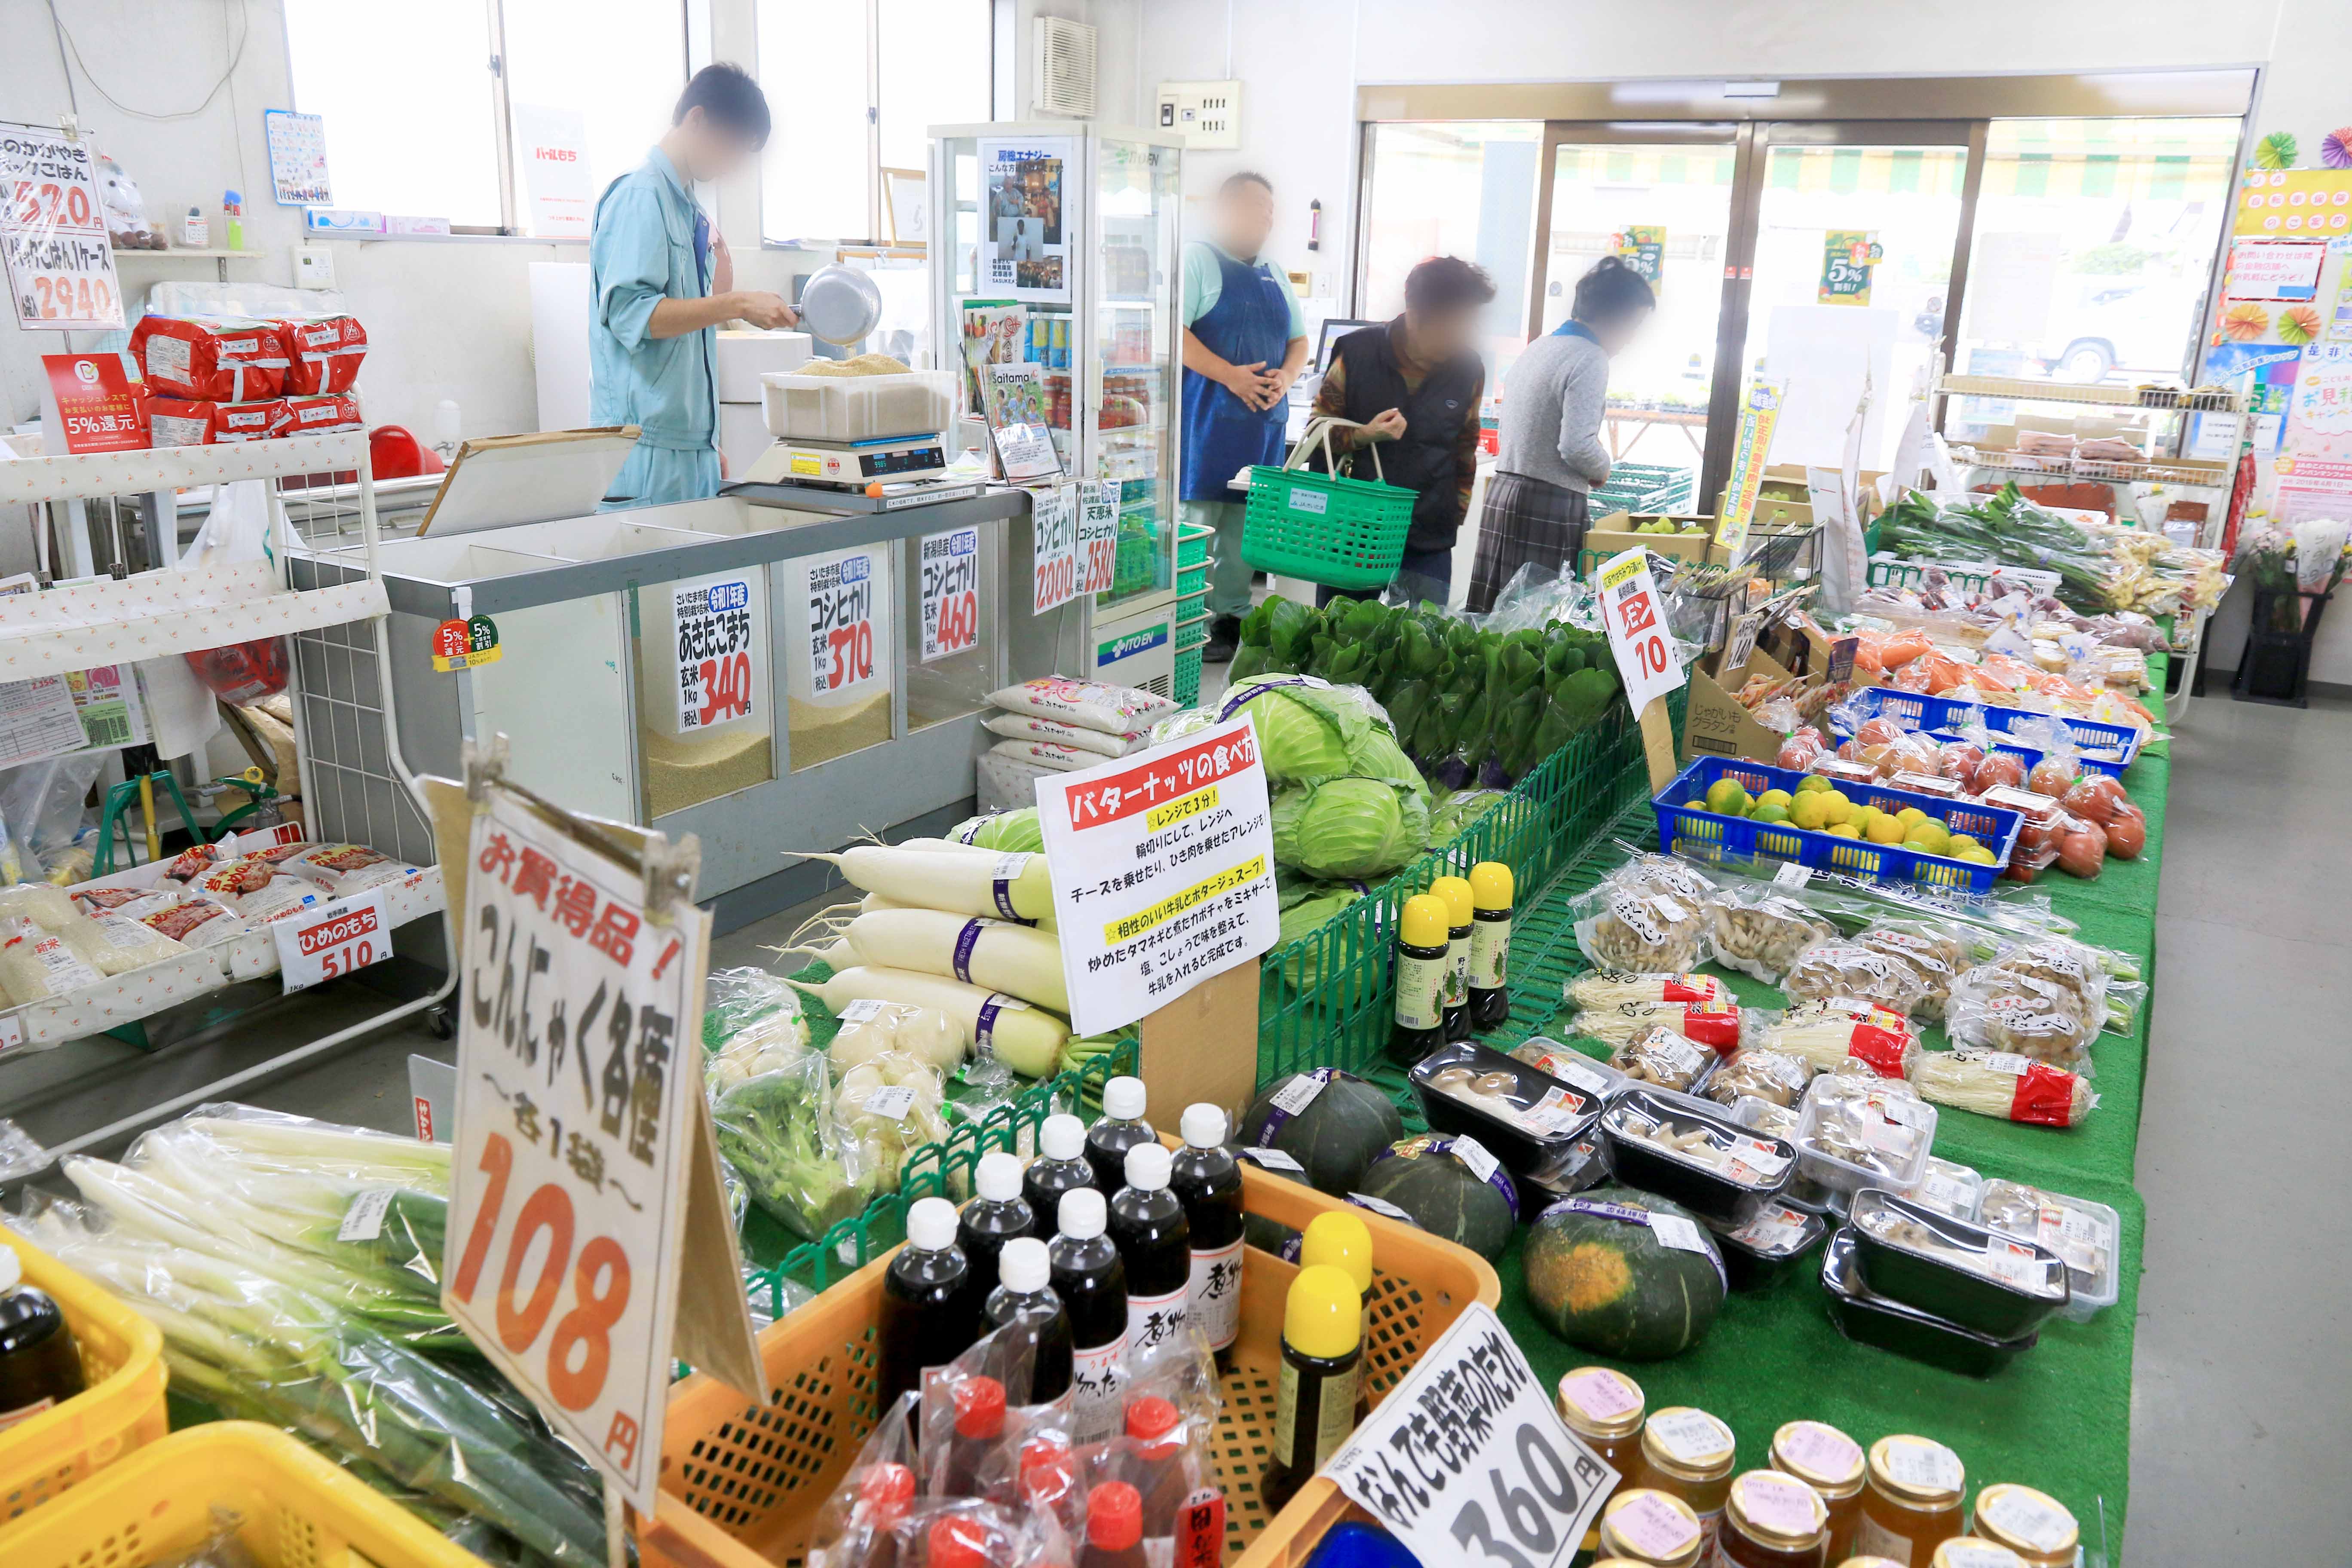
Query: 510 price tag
[330, 940]
[1466, 1462]
[576, 1057]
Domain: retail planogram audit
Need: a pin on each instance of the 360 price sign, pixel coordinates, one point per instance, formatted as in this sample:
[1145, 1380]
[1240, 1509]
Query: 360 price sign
[578, 1054]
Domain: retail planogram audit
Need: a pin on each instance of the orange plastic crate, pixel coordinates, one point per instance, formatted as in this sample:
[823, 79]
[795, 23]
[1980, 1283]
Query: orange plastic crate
[120, 1408]
[741, 1484]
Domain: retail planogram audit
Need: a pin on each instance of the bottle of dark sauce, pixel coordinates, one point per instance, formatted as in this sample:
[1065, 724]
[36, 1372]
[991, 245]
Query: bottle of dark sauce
[1422, 964]
[40, 1365]
[1490, 945]
[1208, 1180]
[1114, 1528]
[996, 1214]
[1155, 1242]
[1060, 1167]
[929, 1314]
[1122, 1127]
[1092, 1283]
[1025, 1299]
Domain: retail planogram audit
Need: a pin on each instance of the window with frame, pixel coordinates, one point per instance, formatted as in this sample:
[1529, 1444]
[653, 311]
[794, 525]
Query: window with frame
[925, 63]
[414, 113]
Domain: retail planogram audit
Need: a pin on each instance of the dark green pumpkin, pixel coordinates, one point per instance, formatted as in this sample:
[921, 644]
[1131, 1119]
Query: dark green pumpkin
[1612, 1286]
[1443, 1195]
[1270, 1235]
[1337, 1137]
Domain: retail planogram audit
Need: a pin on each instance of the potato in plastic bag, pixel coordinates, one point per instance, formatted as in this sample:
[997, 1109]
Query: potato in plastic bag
[1846, 969]
[1633, 925]
[1760, 933]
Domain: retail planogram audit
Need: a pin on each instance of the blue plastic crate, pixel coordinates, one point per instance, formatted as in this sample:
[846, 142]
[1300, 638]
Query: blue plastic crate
[2029, 755]
[1712, 835]
[1918, 710]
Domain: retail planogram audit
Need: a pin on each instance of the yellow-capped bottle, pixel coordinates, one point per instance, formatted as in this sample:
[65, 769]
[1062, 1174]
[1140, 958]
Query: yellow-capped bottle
[1343, 1241]
[1455, 892]
[1315, 1399]
[1422, 964]
[1491, 891]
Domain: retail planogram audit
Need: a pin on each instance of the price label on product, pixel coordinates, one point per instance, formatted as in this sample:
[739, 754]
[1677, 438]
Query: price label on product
[1054, 547]
[841, 613]
[1467, 1461]
[950, 563]
[333, 938]
[1636, 621]
[1097, 534]
[577, 1072]
[719, 628]
[1164, 871]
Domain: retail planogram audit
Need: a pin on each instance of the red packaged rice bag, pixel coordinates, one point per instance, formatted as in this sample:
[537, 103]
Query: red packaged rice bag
[256, 889]
[312, 415]
[211, 359]
[175, 423]
[338, 868]
[323, 353]
[194, 922]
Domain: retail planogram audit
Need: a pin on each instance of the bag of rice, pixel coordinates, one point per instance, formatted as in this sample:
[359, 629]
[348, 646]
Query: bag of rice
[195, 922]
[36, 964]
[129, 903]
[338, 868]
[1030, 727]
[256, 889]
[126, 944]
[1047, 754]
[1089, 705]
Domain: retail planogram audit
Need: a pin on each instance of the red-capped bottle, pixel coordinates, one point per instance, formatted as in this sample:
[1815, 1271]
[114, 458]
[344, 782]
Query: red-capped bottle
[961, 1541]
[1156, 1462]
[1114, 1528]
[884, 1495]
[979, 1428]
[1049, 1480]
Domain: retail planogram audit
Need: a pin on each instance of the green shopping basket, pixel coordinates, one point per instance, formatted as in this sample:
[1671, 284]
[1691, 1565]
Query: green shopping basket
[1337, 531]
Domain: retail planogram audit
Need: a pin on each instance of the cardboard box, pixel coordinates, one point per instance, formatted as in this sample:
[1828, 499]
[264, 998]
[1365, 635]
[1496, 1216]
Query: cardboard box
[1614, 534]
[1716, 725]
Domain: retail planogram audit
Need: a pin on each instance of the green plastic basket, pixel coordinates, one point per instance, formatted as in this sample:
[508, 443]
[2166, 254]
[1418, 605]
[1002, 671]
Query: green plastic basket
[1191, 631]
[1193, 543]
[1191, 581]
[1187, 684]
[1339, 533]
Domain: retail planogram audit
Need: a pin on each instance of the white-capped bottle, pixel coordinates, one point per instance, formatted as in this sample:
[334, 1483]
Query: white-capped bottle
[1154, 1241]
[1092, 1283]
[1208, 1180]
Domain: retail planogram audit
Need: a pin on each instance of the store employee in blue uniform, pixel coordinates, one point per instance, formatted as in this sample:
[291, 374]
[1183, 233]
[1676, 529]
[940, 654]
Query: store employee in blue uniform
[663, 283]
[1245, 343]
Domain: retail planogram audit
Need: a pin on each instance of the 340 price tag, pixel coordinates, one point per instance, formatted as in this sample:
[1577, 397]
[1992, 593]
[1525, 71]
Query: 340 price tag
[330, 940]
[1466, 1462]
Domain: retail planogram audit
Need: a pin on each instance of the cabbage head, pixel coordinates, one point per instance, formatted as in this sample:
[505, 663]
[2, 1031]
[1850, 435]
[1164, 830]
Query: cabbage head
[1007, 832]
[1310, 730]
[1348, 827]
[1295, 964]
[1456, 812]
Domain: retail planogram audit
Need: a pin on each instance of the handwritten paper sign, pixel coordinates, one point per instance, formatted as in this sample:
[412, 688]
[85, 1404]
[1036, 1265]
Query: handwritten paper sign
[53, 239]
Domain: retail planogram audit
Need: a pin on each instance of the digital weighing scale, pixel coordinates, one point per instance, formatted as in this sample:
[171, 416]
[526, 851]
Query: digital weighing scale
[851, 465]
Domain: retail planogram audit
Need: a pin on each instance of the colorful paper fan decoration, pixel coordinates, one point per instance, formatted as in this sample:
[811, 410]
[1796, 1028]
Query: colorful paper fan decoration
[2246, 324]
[2335, 147]
[2297, 325]
[2276, 151]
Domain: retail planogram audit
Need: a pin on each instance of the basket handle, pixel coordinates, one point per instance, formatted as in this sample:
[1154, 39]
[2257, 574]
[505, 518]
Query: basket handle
[1319, 432]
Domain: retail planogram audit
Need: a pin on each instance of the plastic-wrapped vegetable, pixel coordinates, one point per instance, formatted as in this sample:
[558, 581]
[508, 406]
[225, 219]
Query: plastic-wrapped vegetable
[1877, 1124]
[1848, 969]
[777, 1130]
[1005, 831]
[1309, 730]
[1715, 1024]
[1661, 1057]
[1350, 828]
[1633, 923]
[1457, 811]
[1777, 1077]
[2022, 1014]
[770, 1042]
[886, 1107]
[1934, 952]
[870, 1028]
[1760, 933]
[1608, 988]
[733, 997]
[2077, 979]
[2006, 1085]
[1831, 1034]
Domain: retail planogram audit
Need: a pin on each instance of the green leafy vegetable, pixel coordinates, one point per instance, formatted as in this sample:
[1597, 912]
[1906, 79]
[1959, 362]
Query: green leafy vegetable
[1350, 828]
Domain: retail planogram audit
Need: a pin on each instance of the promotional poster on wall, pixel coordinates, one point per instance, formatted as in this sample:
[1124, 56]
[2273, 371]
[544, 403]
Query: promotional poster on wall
[1028, 192]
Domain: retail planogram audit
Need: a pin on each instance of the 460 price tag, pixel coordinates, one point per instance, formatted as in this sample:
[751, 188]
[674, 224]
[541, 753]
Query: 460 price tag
[330, 940]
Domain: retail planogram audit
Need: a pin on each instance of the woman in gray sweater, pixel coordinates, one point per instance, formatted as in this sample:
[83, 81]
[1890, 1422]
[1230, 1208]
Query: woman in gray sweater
[1550, 452]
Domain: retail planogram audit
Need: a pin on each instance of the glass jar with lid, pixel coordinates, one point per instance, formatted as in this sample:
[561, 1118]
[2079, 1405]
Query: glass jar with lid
[1772, 1520]
[1653, 1528]
[2033, 1524]
[1911, 1496]
[1603, 1406]
[1870, 1563]
[1688, 1453]
[1830, 1462]
[1968, 1552]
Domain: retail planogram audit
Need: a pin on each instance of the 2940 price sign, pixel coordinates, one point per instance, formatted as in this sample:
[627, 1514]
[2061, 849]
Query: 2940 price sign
[1466, 1462]
[950, 564]
[1636, 621]
[576, 1057]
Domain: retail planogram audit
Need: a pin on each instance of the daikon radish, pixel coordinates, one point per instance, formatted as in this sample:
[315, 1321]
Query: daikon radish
[1025, 1038]
[1008, 886]
[1018, 960]
[873, 901]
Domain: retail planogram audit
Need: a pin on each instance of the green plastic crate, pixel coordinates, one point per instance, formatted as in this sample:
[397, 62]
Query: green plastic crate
[1192, 580]
[1193, 543]
[1186, 687]
[1191, 631]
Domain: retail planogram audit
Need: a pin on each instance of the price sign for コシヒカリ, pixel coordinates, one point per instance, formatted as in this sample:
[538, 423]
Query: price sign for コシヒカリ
[841, 615]
[1466, 1461]
[332, 939]
[577, 1051]
[951, 584]
[59, 263]
[1636, 621]
[1097, 535]
[1052, 550]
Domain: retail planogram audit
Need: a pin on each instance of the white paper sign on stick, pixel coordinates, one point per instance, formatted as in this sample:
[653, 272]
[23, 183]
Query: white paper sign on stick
[1164, 871]
[1636, 620]
[578, 1062]
[1054, 554]
[1466, 1462]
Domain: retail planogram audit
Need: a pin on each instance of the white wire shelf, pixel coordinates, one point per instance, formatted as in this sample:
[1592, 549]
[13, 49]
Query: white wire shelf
[2020, 389]
[2152, 471]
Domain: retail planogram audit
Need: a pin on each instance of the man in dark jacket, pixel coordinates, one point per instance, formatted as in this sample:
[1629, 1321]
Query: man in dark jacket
[1415, 386]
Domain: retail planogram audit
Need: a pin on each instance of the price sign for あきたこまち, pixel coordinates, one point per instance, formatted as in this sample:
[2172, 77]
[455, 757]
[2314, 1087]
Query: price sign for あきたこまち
[1164, 871]
[718, 625]
[578, 1055]
[1466, 1462]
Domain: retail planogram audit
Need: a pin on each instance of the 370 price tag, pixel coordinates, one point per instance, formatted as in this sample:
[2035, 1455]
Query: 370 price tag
[327, 940]
[1468, 1462]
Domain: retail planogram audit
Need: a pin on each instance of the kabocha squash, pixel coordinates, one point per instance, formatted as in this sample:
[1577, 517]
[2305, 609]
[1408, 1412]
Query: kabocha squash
[1430, 1179]
[1331, 1122]
[1599, 1277]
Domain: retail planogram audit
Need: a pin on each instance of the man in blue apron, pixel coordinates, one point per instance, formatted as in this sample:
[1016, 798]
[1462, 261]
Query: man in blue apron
[662, 283]
[1245, 343]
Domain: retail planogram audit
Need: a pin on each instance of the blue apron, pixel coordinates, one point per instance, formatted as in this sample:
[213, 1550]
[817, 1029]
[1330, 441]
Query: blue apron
[1249, 324]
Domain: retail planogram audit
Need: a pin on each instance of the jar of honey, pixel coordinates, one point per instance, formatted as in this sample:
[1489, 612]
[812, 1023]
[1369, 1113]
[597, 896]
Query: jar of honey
[1772, 1520]
[1911, 1496]
[2034, 1525]
[1652, 1528]
[1870, 1563]
[1830, 1462]
[1603, 1407]
[1968, 1552]
[1688, 1453]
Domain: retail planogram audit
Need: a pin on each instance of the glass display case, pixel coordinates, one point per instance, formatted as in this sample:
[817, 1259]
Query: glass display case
[1063, 248]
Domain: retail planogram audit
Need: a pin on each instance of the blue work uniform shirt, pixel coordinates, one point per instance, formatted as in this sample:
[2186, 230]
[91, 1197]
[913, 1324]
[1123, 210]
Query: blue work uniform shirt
[649, 243]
